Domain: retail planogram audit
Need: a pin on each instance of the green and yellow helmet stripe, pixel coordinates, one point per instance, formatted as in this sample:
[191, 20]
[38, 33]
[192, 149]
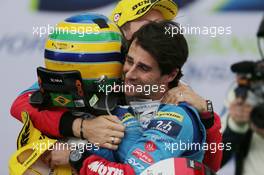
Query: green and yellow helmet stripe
[89, 43]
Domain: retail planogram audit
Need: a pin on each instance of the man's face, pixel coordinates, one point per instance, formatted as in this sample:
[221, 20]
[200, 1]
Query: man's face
[142, 70]
[133, 26]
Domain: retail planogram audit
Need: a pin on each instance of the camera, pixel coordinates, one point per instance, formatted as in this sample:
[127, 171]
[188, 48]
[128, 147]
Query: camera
[250, 87]
[250, 79]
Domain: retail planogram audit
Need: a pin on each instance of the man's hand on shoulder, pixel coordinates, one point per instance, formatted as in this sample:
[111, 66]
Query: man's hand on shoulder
[105, 130]
[184, 93]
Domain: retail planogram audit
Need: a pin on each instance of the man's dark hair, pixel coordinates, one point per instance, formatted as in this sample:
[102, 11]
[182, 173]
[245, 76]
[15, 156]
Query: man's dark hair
[169, 50]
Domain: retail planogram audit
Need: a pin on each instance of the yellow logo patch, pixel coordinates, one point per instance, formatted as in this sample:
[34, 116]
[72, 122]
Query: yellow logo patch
[173, 115]
[127, 116]
[62, 46]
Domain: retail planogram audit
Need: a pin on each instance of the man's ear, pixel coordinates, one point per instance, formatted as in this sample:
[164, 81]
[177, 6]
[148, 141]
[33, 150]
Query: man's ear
[125, 33]
[126, 30]
[172, 75]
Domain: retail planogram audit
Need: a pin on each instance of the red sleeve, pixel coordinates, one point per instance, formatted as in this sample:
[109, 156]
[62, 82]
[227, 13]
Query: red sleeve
[95, 165]
[47, 121]
[214, 136]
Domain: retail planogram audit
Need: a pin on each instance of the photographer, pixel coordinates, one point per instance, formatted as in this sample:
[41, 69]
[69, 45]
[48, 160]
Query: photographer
[244, 121]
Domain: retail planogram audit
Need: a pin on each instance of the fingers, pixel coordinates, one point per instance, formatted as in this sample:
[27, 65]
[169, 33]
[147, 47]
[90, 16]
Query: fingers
[164, 99]
[52, 165]
[59, 157]
[240, 112]
[115, 123]
[113, 118]
[181, 82]
[117, 127]
[117, 141]
[112, 143]
[173, 100]
[53, 161]
[109, 146]
[114, 140]
[74, 172]
[116, 134]
[170, 98]
[181, 85]
[178, 94]
[46, 158]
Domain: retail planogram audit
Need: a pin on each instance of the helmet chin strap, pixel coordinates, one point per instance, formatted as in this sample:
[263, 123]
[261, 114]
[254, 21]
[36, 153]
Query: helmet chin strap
[103, 79]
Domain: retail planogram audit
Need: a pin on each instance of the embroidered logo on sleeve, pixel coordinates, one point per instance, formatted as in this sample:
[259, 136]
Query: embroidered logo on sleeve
[150, 146]
[167, 127]
[172, 115]
[143, 156]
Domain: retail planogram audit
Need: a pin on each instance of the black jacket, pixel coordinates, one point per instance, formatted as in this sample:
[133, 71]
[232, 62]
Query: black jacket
[240, 145]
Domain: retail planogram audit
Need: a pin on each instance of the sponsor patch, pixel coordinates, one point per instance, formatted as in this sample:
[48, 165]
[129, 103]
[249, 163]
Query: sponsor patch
[117, 17]
[143, 10]
[172, 115]
[136, 164]
[100, 168]
[127, 116]
[62, 46]
[93, 100]
[194, 165]
[150, 146]
[143, 2]
[143, 156]
[167, 127]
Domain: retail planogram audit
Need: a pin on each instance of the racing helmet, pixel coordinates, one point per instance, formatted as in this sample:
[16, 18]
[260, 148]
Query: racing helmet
[89, 43]
[129, 10]
[81, 53]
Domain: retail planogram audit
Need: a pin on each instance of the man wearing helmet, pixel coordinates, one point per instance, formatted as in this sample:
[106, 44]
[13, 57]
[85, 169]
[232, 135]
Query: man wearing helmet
[144, 66]
[65, 121]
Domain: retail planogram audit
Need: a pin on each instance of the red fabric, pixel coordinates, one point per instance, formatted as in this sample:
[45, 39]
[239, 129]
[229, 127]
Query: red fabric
[214, 136]
[205, 115]
[47, 121]
[182, 167]
[95, 165]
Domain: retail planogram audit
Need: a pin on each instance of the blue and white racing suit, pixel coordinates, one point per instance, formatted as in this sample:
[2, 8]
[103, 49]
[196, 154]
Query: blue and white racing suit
[175, 131]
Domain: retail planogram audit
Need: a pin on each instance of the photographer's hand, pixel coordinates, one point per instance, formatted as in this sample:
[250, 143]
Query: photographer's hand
[105, 131]
[239, 111]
